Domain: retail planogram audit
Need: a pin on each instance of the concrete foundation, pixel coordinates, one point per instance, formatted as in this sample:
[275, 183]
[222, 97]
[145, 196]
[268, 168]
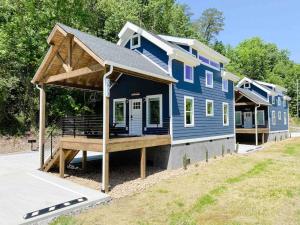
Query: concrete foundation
[171, 157]
[278, 136]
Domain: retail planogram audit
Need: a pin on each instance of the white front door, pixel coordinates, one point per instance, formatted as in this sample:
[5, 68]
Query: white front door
[248, 120]
[135, 117]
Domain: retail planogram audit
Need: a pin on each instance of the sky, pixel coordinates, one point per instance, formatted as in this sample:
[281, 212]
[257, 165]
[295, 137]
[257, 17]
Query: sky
[275, 21]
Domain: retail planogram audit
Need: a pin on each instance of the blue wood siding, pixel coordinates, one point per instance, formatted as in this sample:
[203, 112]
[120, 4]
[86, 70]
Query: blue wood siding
[152, 52]
[204, 126]
[274, 107]
[258, 91]
[127, 85]
[194, 52]
[185, 47]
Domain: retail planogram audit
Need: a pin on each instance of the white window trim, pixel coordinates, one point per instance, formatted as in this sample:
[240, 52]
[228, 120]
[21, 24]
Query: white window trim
[279, 115]
[226, 124]
[284, 118]
[264, 122]
[123, 100]
[279, 101]
[240, 116]
[273, 118]
[273, 100]
[160, 110]
[212, 83]
[247, 85]
[184, 73]
[213, 111]
[193, 112]
[139, 41]
[223, 86]
[284, 103]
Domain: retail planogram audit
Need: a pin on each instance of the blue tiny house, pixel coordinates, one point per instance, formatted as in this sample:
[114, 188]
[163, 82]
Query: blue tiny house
[270, 103]
[197, 109]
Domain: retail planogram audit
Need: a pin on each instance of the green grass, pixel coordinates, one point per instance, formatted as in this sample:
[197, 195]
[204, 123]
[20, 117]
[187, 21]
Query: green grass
[64, 220]
[259, 188]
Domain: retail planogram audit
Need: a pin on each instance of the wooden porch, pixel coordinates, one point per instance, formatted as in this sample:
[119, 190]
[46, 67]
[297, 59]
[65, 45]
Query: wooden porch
[251, 130]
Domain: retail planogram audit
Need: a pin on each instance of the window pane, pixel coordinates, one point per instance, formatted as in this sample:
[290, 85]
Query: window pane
[260, 118]
[135, 41]
[188, 118]
[225, 114]
[119, 112]
[188, 73]
[209, 79]
[154, 111]
[188, 106]
[209, 108]
[225, 84]
[238, 118]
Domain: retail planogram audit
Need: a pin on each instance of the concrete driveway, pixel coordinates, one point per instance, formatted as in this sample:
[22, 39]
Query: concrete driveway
[26, 191]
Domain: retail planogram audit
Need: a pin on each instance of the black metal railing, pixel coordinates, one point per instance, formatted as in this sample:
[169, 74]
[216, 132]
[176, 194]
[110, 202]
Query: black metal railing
[92, 126]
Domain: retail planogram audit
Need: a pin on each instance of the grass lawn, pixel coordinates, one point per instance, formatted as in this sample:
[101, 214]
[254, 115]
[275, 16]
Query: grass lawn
[259, 188]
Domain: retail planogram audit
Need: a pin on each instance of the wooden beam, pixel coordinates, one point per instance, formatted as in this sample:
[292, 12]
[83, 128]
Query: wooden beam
[62, 163]
[70, 52]
[84, 159]
[42, 124]
[244, 103]
[106, 172]
[65, 66]
[143, 163]
[75, 73]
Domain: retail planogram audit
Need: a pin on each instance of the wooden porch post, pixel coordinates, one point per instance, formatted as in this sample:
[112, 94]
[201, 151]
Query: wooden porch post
[256, 130]
[143, 163]
[42, 124]
[105, 139]
[62, 163]
[263, 138]
[84, 157]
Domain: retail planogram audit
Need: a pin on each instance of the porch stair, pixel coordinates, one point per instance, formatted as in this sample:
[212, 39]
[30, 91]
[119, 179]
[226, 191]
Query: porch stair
[54, 161]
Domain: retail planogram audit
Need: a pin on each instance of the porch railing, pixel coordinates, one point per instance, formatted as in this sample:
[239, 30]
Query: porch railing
[92, 126]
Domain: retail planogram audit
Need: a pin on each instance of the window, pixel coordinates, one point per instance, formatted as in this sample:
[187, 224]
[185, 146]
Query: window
[154, 110]
[273, 100]
[284, 118]
[119, 112]
[279, 101]
[260, 117]
[247, 85]
[224, 85]
[225, 114]
[279, 115]
[135, 41]
[209, 108]
[238, 118]
[188, 74]
[188, 111]
[273, 118]
[209, 79]
[284, 103]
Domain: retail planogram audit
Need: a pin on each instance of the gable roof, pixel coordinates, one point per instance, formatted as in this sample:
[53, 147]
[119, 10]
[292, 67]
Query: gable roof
[202, 48]
[253, 97]
[276, 86]
[262, 87]
[171, 49]
[114, 55]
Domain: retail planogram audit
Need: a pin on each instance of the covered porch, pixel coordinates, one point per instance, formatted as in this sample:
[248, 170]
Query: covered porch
[251, 117]
[130, 118]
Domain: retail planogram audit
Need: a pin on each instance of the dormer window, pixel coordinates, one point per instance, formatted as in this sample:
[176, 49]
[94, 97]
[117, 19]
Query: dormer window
[188, 73]
[135, 41]
[247, 85]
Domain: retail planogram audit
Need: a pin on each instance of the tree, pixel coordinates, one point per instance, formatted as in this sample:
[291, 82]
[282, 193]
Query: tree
[210, 23]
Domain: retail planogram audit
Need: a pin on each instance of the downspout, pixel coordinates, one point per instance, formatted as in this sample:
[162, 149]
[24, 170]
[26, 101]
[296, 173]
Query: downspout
[41, 126]
[256, 129]
[104, 138]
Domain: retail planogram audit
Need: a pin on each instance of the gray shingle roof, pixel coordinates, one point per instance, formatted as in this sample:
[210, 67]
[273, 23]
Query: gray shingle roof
[253, 97]
[116, 54]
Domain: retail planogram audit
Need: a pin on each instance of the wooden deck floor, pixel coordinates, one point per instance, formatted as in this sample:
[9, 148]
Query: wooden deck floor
[114, 144]
[251, 130]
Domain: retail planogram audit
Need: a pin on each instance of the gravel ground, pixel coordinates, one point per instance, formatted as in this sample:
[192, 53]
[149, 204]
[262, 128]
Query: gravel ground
[124, 178]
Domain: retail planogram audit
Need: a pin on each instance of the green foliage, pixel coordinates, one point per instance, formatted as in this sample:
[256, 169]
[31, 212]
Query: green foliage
[210, 24]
